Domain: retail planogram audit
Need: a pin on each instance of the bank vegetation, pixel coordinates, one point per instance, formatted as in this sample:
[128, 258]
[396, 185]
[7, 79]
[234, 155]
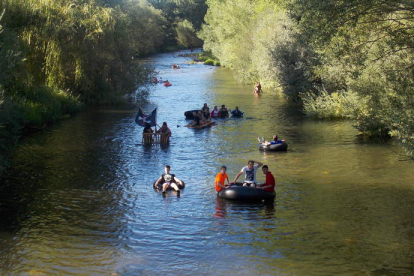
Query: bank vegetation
[343, 59]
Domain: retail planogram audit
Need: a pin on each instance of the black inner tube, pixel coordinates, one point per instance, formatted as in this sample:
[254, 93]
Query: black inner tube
[159, 186]
[239, 192]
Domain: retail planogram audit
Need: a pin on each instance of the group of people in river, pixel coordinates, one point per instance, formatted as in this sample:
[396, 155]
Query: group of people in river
[204, 115]
[169, 181]
[159, 80]
[164, 132]
[249, 172]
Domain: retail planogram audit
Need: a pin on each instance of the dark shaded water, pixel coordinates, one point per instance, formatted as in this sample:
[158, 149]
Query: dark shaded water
[79, 197]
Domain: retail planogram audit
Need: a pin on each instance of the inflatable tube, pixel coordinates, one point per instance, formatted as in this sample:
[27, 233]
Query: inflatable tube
[189, 114]
[159, 186]
[237, 116]
[274, 147]
[245, 193]
[166, 84]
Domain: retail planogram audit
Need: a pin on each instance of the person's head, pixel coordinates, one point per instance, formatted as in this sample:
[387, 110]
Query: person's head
[167, 169]
[237, 108]
[164, 124]
[265, 169]
[205, 105]
[223, 169]
[215, 107]
[223, 106]
[275, 138]
[147, 125]
[250, 164]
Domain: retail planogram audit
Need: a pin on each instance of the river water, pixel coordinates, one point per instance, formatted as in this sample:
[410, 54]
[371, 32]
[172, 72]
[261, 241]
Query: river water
[78, 199]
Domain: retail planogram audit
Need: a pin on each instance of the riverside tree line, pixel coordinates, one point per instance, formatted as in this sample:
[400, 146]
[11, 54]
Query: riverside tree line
[57, 55]
[343, 59]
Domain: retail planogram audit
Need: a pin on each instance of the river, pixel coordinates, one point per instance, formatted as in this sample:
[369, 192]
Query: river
[78, 199]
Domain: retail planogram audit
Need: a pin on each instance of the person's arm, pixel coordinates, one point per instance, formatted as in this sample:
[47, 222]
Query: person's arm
[259, 164]
[221, 185]
[178, 180]
[158, 181]
[237, 176]
[228, 182]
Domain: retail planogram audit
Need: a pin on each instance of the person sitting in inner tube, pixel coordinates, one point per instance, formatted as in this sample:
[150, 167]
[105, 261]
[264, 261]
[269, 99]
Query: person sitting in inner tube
[215, 112]
[223, 113]
[236, 112]
[269, 185]
[249, 173]
[206, 111]
[168, 180]
[274, 141]
[221, 179]
[154, 80]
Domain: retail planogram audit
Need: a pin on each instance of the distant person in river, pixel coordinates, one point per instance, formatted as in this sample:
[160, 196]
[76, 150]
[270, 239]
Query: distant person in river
[223, 112]
[215, 112]
[236, 112]
[249, 173]
[165, 133]
[206, 111]
[269, 185]
[275, 140]
[221, 178]
[258, 88]
[168, 180]
[154, 80]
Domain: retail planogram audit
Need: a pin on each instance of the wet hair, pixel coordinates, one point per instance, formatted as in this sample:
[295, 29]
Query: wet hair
[224, 167]
[167, 166]
[265, 167]
[250, 161]
[164, 123]
[223, 105]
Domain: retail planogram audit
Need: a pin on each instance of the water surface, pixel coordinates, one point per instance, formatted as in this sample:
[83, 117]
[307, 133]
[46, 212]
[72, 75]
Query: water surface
[79, 198]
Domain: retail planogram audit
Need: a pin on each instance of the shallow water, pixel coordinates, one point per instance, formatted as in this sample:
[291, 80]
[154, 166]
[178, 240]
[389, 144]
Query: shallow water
[79, 198]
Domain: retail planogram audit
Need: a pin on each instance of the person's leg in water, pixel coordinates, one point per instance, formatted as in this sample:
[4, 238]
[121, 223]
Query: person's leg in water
[175, 187]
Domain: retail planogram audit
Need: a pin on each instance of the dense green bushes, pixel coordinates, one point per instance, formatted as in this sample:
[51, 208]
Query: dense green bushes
[346, 59]
[56, 55]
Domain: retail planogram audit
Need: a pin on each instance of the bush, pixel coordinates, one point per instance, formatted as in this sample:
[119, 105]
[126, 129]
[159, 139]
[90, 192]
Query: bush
[216, 63]
[331, 106]
[209, 62]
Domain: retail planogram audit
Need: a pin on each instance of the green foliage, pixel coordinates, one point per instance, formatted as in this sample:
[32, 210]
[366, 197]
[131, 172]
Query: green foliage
[332, 106]
[209, 62]
[186, 35]
[346, 59]
[85, 48]
[216, 63]
[366, 47]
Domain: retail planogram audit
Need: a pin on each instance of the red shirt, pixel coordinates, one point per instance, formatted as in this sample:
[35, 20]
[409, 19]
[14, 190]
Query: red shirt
[270, 180]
